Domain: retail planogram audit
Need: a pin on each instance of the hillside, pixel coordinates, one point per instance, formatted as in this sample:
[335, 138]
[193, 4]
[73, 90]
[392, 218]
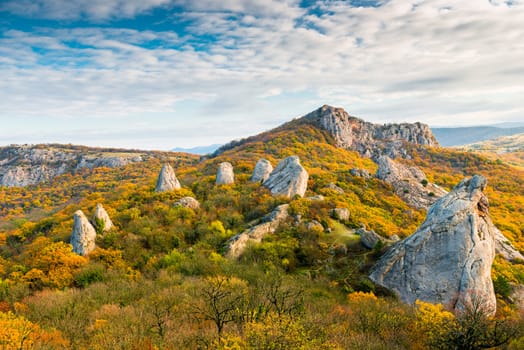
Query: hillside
[509, 149]
[161, 279]
[465, 135]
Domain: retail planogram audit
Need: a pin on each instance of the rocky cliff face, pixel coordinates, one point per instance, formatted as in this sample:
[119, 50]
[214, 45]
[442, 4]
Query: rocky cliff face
[370, 140]
[28, 165]
[84, 234]
[167, 180]
[410, 183]
[288, 179]
[448, 259]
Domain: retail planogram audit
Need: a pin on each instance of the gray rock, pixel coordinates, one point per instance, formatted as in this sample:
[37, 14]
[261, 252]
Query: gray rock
[517, 296]
[262, 170]
[269, 224]
[341, 214]
[504, 247]
[369, 239]
[360, 173]
[288, 179]
[167, 180]
[317, 197]
[448, 259]
[314, 225]
[188, 202]
[84, 234]
[225, 175]
[335, 188]
[102, 217]
[369, 139]
[410, 183]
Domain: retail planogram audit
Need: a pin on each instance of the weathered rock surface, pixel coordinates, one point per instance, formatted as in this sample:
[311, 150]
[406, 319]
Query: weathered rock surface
[341, 214]
[188, 202]
[23, 165]
[517, 295]
[262, 170]
[314, 225]
[269, 224]
[101, 216]
[504, 247]
[167, 180]
[410, 183]
[360, 173]
[369, 239]
[317, 197]
[369, 139]
[448, 259]
[225, 175]
[84, 234]
[288, 179]
[335, 188]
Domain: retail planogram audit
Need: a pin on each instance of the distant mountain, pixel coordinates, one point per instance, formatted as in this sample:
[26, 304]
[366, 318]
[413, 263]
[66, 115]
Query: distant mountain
[199, 149]
[466, 135]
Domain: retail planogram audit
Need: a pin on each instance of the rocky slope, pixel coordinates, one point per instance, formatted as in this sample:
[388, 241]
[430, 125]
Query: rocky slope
[448, 259]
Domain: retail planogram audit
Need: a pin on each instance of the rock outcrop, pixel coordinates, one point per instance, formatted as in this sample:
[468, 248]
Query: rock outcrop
[269, 224]
[188, 202]
[369, 239]
[341, 214]
[167, 180]
[448, 259]
[225, 175]
[333, 187]
[101, 217]
[288, 179]
[409, 182]
[360, 173]
[369, 139]
[262, 170]
[504, 247]
[24, 165]
[84, 234]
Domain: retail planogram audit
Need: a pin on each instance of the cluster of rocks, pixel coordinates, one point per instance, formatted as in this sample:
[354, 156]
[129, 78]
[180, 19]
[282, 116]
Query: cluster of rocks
[448, 259]
[84, 232]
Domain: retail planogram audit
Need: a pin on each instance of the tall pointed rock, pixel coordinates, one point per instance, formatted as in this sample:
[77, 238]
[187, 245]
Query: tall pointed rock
[262, 170]
[167, 180]
[448, 259]
[102, 218]
[288, 179]
[225, 175]
[84, 234]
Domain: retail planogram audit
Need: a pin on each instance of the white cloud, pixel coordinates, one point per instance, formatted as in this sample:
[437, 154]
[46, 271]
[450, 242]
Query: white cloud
[437, 61]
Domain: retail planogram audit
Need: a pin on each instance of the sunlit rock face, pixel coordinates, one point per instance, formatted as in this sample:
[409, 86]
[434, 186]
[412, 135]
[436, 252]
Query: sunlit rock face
[288, 179]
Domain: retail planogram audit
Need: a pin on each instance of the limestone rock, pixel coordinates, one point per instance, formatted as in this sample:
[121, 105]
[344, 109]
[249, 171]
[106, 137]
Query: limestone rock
[409, 183]
[84, 234]
[102, 217]
[314, 225]
[225, 175]
[369, 139]
[288, 179]
[517, 295]
[317, 197]
[360, 173]
[448, 259]
[167, 180]
[369, 239]
[269, 224]
[332, 186]
[341, 214]
[188, 202]
[262, 170]
[504, 247]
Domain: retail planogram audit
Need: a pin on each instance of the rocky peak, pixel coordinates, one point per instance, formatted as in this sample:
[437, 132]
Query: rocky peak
[167, 180]
[369, 139]
[288, 179]
[84, 234]
[448, 259]
[100, 217]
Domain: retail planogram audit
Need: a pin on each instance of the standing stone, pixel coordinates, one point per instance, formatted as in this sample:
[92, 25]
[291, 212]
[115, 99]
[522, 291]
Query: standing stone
[102, 217]
[167, 180]
[84, 234]
[262, 170]
[288, 179]
[225, 175]
[448, 259]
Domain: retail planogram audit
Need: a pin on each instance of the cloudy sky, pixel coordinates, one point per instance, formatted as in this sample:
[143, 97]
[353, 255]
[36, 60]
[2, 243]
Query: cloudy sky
[157, 74]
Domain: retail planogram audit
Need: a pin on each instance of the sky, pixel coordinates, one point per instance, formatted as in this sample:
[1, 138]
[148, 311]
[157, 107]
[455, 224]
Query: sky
[159, 74]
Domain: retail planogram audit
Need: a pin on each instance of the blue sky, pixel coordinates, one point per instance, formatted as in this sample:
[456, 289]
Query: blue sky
[158, 74]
